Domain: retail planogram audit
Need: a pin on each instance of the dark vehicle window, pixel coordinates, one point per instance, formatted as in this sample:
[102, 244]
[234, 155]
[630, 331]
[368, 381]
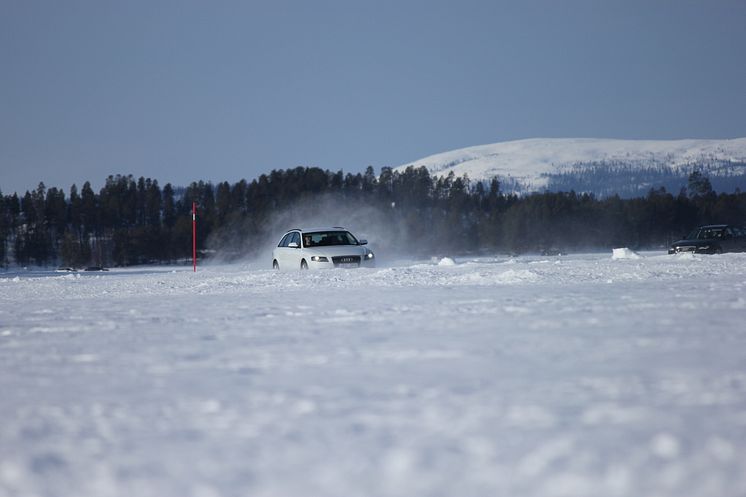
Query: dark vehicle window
[295, 238]
[327, 238]
[706, 234]
[285, 240]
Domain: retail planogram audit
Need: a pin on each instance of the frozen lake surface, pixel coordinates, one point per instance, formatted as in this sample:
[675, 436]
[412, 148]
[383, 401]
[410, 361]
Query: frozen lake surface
[532, 376]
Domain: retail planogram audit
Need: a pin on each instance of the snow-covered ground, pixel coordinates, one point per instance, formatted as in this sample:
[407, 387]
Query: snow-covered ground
[560, 376]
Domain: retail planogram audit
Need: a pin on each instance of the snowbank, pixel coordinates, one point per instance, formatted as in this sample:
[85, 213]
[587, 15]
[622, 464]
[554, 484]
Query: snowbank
[624, 253]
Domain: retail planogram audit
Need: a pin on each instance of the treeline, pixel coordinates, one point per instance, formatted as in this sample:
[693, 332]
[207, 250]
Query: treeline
[628, 178]
[135, 221]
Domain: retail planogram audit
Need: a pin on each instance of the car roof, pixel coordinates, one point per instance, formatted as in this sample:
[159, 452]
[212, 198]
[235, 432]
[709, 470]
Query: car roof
[316, 230]
[323, 228]
[713, 226]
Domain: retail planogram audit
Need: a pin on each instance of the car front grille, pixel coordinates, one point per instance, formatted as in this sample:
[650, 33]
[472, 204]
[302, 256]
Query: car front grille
[346, 259]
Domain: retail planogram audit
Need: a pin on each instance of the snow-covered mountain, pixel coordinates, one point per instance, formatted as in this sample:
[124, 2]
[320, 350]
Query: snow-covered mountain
[534, 164]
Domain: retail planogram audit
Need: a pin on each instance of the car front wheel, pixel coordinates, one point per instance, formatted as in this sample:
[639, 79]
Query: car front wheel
[303, 265]
[275, 265]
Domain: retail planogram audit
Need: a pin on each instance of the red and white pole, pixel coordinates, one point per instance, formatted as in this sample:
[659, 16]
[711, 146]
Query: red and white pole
[194, 236]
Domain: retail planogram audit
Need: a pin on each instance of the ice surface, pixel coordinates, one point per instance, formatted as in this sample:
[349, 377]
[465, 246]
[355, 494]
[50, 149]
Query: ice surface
[528, 376]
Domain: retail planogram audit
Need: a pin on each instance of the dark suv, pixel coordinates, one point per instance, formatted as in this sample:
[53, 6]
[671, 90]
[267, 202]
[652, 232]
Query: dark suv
[712, 239]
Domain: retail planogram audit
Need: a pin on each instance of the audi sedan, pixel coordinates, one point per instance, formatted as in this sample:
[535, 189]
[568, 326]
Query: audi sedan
[320, 248]
[711, 239]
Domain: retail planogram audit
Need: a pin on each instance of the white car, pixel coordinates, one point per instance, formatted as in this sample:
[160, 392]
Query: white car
[319, 248]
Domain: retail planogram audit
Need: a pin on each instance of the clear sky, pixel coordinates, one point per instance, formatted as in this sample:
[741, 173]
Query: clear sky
[223, 90]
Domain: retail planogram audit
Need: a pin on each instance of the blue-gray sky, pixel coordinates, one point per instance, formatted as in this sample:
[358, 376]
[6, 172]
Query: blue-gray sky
[219, 90]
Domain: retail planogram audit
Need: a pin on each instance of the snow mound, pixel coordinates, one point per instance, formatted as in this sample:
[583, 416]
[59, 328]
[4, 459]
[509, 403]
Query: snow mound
[517, 276]
[488, 278]
[446, 261]
[624, 253]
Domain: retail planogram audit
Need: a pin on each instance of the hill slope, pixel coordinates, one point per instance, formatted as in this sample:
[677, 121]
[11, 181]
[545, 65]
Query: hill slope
[537, 164]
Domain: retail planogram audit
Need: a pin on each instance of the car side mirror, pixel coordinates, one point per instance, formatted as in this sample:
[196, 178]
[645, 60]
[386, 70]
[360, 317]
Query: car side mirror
[293, 245]
[362, 242]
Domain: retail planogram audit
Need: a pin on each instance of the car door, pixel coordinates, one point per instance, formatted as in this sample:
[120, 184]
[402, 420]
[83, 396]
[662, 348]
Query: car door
[294, 252]
[287, 254]
[730, 241]
[281, 252]
[739, 239]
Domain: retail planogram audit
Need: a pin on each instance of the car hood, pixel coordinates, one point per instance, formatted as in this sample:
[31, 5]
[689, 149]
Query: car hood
[694, 243]
[335, 250]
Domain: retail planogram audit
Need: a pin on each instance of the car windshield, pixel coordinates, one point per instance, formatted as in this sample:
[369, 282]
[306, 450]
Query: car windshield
[327, 238]
[706, 234]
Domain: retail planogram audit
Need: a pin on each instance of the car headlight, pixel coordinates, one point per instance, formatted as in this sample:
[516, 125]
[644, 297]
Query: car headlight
[369, 255]
[704, 247]
[319, 258]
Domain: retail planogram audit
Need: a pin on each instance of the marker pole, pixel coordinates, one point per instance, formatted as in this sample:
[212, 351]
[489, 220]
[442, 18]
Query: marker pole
[194, 236]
